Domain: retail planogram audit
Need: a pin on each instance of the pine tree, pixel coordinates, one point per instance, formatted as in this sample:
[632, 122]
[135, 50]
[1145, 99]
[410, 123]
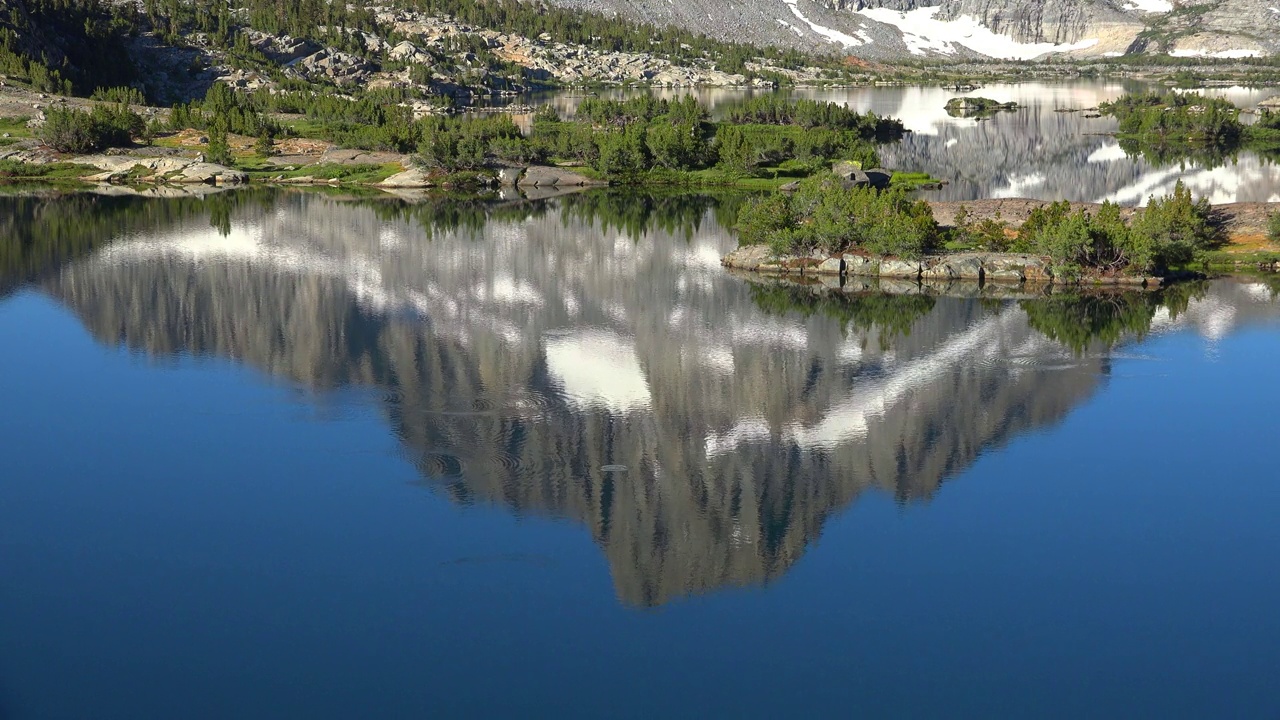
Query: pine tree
[219, 150]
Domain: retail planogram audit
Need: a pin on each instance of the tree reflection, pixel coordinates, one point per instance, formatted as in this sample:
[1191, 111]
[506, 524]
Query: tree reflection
[635, 213]
[1085, 320]
[892, 314]
[1182, 155]
[1080, 319]
[43, 230]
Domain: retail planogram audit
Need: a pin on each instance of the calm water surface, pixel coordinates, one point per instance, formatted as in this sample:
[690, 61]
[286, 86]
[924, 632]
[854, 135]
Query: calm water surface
[286, 455]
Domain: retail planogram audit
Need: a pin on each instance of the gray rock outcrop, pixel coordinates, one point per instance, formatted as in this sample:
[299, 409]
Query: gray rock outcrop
[117, 168]
[977, 267]
[542, 175]
[412, 178]
[897, 268]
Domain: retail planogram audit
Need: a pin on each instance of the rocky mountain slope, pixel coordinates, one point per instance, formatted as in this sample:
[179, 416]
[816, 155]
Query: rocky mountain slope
[1008, 29]
[175, 52]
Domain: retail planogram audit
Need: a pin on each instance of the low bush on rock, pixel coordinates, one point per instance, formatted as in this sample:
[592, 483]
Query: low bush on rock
[824, 215]
[77, 131]
[1273, 227]
[1167, 233]
[986, 234]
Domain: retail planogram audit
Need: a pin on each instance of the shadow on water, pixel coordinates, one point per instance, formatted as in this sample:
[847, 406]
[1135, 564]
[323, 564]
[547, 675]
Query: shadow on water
[702, 428]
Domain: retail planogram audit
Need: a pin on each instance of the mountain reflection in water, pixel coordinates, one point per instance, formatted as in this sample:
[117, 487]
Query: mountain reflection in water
[587, 357]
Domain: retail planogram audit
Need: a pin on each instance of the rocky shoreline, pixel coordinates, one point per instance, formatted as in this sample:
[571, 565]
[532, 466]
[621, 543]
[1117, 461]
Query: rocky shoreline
[1245, 226]
[529, 176]
[979, 268]
[934, 288]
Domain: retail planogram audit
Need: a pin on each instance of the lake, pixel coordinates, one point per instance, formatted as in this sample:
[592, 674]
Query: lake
[288, 454]
[1049, 149]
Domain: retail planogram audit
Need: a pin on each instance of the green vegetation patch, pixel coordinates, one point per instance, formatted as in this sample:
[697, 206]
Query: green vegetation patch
[646, 140]
[15, 127]
[70, 130]
[914, 181]
[1171, 128]
[14, 170]
[1189, 118]
[825, 216]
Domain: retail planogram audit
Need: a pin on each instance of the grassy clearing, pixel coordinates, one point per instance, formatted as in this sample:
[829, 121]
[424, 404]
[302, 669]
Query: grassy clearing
[769, 177]
[764, 178]
[302, 127]
[709, 177]
[15, 127]
[13, 170]
[1227, 260]
[914, 181]
[167, 141]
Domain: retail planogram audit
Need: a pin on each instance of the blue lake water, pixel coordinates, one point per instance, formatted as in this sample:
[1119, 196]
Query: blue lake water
[329, 458]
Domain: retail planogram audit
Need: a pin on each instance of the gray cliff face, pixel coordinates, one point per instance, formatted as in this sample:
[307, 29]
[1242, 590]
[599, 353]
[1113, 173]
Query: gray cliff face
[1038, 21]
[1223, 28]
[812, 26]
[1228, 28]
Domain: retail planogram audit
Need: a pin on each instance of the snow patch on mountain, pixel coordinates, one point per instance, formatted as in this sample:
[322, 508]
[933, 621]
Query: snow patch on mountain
[791, 27]
[923, 34]
[826, 32]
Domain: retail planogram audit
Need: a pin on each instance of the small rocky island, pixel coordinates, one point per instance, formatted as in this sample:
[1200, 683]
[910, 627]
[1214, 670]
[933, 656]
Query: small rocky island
[824, 227]
[977, 107]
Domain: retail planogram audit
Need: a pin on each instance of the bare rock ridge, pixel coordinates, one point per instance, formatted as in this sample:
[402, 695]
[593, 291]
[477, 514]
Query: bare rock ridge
[1012, 29]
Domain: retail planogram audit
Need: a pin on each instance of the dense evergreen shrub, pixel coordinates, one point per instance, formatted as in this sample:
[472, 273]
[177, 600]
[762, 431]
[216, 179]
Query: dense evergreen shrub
[1167, 233]
[77, 131]
[824, 215]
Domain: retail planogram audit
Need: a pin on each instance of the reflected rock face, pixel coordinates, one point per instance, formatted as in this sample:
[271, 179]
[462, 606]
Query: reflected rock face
[554, 363]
